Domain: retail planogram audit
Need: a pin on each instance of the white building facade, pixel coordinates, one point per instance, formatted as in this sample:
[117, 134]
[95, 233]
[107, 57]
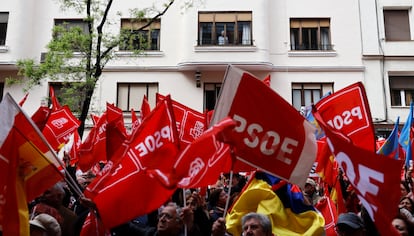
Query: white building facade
[309, 48]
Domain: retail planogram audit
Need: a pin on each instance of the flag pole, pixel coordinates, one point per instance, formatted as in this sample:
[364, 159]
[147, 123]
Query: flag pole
[228, 194]
[184, 205]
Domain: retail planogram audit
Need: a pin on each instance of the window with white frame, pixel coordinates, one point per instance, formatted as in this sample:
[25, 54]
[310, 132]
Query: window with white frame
[4, 18]
[130, 95]
[310, 34]
[211, 93]
[401, 90]
[397, 25]
[305, 94]
[225, 28]
[140, 34]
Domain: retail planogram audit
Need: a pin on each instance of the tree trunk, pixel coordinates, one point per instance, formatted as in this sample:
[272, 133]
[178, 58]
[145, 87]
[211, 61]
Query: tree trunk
[85, 109]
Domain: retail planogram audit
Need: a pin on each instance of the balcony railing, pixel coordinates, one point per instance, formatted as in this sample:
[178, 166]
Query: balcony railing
[321, 47]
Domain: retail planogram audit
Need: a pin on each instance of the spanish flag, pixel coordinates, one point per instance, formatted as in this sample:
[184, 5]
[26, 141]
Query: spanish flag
[259, 197]
[26, 167]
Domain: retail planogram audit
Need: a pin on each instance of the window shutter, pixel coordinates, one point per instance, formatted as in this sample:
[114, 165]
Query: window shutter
[244, 17]
[225, 17]
[397, 26]
[402, 82]
[205, 17]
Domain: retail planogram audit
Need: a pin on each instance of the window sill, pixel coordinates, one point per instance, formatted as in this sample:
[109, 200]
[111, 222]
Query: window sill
[404, 107]
[225, 48]
[141, 54]
[4, 48]
[311, 53]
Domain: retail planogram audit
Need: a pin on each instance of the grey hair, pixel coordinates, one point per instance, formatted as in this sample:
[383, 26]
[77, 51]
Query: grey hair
[263, 220]
[178, 209]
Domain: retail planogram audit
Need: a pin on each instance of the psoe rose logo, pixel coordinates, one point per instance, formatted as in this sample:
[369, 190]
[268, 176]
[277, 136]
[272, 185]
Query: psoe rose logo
[59, 123]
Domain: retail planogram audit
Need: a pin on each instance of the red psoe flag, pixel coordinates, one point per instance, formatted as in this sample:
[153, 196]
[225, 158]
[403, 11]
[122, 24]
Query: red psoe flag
[190, 123]
[27, 166]
[347, 110]
[125, 185]
[60, 126]
[201, 163]
[135, 122]
[270, 134]
[373, 177]
[55, 103]
[93, 149]
[41, 116]
[93, 226]
[116, 133]
[145, 107]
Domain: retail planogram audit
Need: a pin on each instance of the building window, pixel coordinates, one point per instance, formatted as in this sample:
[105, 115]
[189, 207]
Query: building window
[130, 95]
[309, 93]
[401, 90]
[136, 35]
[397, 25]
[73, 23]
[211, 93]
[225, 28]
[4, 18]
[69, 93]
[310, 34]
[78, 26]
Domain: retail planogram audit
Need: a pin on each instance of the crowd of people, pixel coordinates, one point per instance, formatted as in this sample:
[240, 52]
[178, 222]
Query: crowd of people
[58, 211]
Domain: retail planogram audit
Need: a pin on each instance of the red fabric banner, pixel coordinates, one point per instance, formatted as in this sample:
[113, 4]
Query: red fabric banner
[135, 122]
[93, 148]
[60, 126]
[115, 130]
[201, 163]
[55, 103]
[373, 177]
[145, 107]
[190, 123]
[347, 110]
[270, 134]
[41, 116]
[93, 226]
[328, 209]
[154, 145]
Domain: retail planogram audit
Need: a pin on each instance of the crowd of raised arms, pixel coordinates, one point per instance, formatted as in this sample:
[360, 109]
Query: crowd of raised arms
[58, 211]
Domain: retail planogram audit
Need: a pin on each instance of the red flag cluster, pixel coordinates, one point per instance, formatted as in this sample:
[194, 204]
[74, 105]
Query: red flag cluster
[171, 147]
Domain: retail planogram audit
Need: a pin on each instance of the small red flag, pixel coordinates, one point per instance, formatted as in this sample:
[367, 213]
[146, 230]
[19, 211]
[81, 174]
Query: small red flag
[93, 149]
[115, 130]
[93, 226]
[347, 110]
[55, 103]
[60, 126]
[145, 107]
[23, 99]
[190, 123]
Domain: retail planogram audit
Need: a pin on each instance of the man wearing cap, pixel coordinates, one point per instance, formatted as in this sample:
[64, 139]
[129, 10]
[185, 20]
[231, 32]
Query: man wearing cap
[350, 224]
[310, 192]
